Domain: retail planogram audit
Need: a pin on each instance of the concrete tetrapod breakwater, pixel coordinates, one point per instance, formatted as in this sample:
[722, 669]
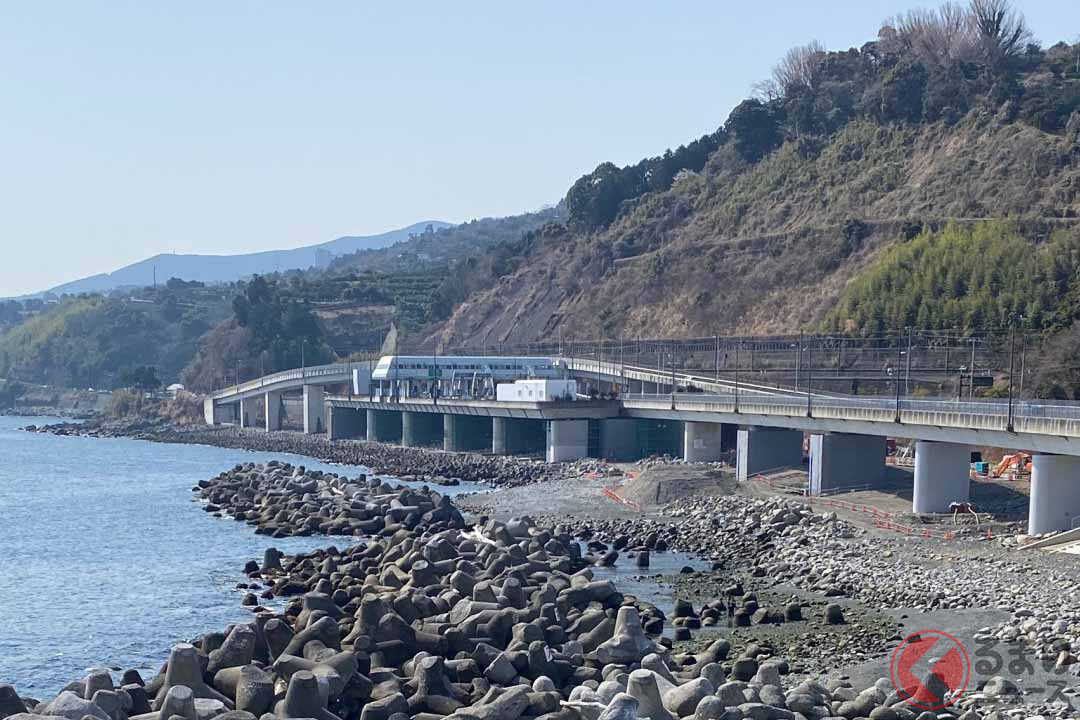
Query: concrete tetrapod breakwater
[427, 618]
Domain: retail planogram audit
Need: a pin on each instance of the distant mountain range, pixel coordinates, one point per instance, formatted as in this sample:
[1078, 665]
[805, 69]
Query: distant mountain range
[227, 268]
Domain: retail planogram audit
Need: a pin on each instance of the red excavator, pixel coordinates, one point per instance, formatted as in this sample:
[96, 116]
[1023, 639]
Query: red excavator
[1013, 465]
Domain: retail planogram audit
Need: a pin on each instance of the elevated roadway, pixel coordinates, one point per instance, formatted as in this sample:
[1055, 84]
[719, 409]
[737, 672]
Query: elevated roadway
[649, 410]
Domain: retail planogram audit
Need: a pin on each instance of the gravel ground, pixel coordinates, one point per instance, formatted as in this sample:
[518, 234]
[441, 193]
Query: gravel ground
[996, 599]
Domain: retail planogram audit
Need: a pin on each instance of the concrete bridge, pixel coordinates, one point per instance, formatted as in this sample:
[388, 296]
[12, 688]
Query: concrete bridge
[237, 404]
[703, 419]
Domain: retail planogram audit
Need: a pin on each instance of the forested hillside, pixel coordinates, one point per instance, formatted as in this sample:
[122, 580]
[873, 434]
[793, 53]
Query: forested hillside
[435, 248]
[280, 322]
[948, 119]
[96, 341]
[982, 275]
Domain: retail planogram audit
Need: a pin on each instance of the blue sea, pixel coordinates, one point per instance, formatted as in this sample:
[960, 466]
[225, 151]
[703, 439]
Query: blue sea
[106, 560]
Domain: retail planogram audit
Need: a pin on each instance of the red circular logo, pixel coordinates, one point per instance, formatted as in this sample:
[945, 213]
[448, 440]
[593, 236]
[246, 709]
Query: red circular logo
[943, 669]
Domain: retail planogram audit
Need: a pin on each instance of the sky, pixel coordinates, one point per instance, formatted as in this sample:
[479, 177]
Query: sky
[133, 128]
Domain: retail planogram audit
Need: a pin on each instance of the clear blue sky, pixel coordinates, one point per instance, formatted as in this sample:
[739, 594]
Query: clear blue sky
[131, 128]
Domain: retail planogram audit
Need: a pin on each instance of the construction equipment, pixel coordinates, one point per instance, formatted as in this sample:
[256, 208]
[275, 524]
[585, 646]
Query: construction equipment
[904, 457]
[1014, 465]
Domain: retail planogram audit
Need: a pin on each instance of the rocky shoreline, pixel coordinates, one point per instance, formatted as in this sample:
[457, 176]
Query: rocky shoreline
[420, 464]
[427, 617]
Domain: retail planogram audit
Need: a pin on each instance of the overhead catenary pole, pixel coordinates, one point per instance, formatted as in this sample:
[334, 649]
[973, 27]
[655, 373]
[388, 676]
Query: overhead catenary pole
[717, 357]
[896, 375]
[673, 375]
[1009, 422]
[623, 385]
[1023, 358]
[809, 378]
[599, 362]
[971, 371]
[659, 368]
[738, 344]
[798, 361]
[907, 368]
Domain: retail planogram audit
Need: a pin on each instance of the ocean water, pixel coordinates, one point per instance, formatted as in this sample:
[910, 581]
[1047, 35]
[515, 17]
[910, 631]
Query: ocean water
[106, 561]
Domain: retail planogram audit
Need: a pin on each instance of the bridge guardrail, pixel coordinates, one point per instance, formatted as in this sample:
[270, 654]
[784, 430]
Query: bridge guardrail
[314, 371]
[964, 407]
[1027, 417]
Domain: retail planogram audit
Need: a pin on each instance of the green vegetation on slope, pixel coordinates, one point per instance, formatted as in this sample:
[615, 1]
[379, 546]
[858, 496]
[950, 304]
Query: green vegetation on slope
[433, 249]
[272, 328]
[948, 114]
[978, 276]
[96, 341]
[279, 322]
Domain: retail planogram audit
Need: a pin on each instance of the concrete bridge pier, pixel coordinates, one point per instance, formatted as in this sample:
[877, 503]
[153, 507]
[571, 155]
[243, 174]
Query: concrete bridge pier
[210, 411]
[942, 476]
[702, 441]
[342, 423]
[761, 449]
[248, 411]
[384, 426]
[841, 460]
[421, 429]
[501, 442]
[272, 412]
[462, 433]
[1055, 493]
[567, 440]
[517, 436]
[661, 437]
[619, 440]
[314, 409]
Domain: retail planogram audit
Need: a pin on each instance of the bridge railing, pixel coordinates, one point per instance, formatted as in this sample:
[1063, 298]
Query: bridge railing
[315, 371]
[984, 414]
[608, 370]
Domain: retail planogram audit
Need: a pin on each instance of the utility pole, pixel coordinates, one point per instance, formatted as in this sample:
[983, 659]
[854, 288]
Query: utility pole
[971, 371]
[717, 357]
[798, 361]
[896, 377]
[435, 372]
[659, 368]
[1023, 358]
[623, 385]
[1009, 423]
[738, 344]
[599, 362]
[673, 385]
[907, 369]
[809, 378]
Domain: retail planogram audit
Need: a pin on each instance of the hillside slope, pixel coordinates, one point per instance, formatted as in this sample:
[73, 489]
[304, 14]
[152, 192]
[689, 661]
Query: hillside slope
[93, 341]
[802, 193]
[229, 268]
[439, 246]
[772, 247]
